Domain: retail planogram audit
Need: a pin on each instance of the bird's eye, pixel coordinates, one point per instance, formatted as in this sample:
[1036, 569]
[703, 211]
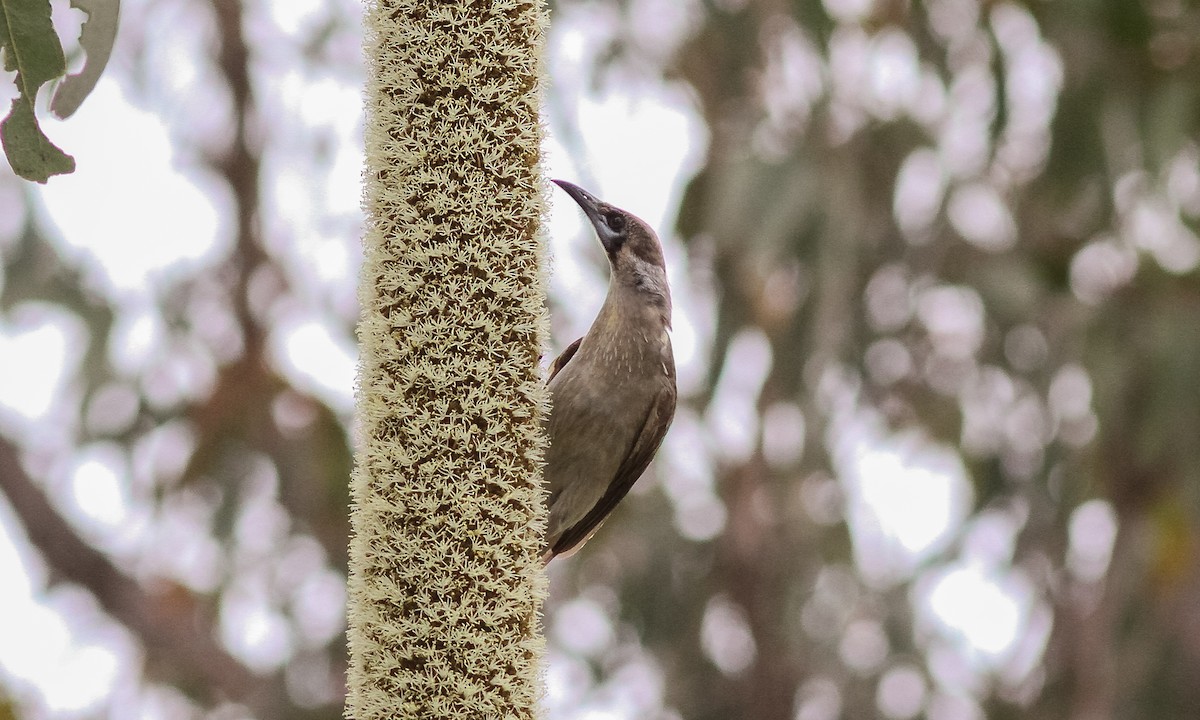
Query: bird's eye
[616, 222]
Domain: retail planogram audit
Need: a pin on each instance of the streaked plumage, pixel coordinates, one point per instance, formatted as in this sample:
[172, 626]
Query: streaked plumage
[613, 390]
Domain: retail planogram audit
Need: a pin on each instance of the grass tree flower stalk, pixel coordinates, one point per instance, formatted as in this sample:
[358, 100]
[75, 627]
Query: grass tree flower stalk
[445, 585]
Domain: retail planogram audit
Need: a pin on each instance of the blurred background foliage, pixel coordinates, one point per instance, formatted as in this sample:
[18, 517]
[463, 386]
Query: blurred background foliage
[939, 326]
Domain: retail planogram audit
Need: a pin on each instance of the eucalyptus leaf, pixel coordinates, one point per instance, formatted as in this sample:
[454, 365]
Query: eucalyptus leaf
[97, 38]
[31, 49]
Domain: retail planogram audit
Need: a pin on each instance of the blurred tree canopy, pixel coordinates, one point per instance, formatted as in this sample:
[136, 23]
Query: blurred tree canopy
[940, 459]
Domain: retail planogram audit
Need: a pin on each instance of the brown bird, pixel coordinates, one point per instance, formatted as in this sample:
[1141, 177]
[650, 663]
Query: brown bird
[613, 390]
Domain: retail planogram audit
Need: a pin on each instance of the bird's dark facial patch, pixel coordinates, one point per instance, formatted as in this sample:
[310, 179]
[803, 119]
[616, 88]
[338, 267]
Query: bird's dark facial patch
[615, 230]
[615, 221]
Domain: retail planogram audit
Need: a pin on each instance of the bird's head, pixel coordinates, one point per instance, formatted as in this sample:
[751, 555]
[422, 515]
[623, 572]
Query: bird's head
[633, 249]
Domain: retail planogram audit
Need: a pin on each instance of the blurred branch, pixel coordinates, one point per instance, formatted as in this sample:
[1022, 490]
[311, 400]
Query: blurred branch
[174, 630]
[240, 165]
[313, 472]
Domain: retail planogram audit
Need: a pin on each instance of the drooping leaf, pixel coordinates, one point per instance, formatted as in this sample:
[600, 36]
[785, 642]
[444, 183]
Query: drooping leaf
[97, 38]
[31, 49]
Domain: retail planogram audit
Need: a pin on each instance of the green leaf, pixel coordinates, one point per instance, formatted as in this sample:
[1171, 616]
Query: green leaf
[97, 38]
[33, 50]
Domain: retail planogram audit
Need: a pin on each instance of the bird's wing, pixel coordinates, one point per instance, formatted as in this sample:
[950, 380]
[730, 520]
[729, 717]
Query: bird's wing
[654, 428]
[561, 361]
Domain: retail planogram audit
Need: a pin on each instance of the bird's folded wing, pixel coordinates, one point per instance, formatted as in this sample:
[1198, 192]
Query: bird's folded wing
[561, 361]
[654, 428]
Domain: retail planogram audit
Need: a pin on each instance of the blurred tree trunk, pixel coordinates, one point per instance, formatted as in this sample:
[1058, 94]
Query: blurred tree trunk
[445, 582]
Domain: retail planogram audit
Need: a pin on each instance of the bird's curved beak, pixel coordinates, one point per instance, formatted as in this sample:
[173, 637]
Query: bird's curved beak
[591, 208]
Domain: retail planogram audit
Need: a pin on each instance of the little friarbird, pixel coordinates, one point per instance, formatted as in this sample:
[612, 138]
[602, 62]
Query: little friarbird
[613, 390]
